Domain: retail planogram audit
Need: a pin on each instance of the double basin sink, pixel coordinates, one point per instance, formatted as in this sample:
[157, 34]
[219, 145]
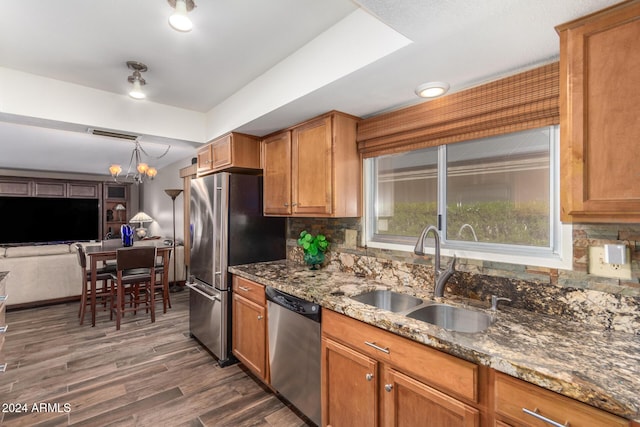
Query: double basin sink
[457, 319]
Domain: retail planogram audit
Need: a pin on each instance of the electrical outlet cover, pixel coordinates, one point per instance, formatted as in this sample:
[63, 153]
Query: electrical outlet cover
[598, 267]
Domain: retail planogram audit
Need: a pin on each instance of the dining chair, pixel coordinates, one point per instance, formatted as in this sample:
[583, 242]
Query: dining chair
[134, 276]
[102, 274]
[159, 286]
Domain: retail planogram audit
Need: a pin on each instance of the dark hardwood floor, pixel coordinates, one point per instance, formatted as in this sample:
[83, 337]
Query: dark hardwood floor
[147, 374]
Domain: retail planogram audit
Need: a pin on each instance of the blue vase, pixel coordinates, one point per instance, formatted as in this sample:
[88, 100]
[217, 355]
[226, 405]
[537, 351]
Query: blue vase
[127, 235]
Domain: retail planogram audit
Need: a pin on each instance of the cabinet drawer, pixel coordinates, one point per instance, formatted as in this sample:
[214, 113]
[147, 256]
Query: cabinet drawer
[513, 397]
[445, 372]
[250, 290]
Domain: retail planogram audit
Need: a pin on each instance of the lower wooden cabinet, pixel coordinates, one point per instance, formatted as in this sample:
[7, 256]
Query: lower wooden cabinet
[521, 404]
[372, 377]
[349, 387]
[408, 402]
[363, 389]
[249, 326]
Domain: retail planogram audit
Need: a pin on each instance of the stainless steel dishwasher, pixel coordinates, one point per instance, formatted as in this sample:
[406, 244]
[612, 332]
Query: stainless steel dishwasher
[294, 350]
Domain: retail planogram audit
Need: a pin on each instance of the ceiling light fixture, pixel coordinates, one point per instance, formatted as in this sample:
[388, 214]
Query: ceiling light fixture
[136, 78]
[179, 20]
[142, 169]
[432, 89]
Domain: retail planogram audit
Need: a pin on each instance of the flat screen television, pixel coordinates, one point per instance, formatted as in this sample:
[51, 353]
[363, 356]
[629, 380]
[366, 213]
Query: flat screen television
[47, 220]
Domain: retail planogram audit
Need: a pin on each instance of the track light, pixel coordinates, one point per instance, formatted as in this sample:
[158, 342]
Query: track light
[179, 20]
[136, 79]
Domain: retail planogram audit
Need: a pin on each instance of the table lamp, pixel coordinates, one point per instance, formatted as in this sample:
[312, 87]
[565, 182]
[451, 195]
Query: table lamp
[141, 218]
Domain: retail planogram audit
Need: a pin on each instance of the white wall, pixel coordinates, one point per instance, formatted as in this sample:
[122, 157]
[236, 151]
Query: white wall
[156, 203]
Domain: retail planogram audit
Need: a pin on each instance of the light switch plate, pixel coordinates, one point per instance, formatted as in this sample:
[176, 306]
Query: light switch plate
[598, 267]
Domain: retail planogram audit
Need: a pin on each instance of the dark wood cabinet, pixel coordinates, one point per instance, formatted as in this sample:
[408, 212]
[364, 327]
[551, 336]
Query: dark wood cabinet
[115, 209]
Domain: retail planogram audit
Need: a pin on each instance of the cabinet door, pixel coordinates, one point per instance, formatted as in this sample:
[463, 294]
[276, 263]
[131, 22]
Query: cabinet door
[277, 174]
[83, 190]
[600, 59]
[249, 335]
[15, 187]
[349, 387]
[50, 189]
[312, 168]
[205, 159]
[407, 402]
[221, 153]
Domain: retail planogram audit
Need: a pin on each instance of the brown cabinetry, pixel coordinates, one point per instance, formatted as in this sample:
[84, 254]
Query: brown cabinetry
[249, 326]
[600, 130]
[15, 187]
[232, 152]
[520, 404]
[383, 379]
[35, 187]
[115, 208]
[313, 169]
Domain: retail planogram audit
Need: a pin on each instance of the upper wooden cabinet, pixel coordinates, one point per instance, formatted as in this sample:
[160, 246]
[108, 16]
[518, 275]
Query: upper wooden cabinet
[276, 166]
[313, 169]
[234, 151]
[600, 106]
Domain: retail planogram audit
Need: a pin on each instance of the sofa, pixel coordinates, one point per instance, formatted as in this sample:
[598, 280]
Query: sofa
[43, 274]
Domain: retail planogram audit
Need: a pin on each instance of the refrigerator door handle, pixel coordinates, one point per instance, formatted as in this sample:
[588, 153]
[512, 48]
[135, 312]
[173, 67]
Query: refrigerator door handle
[207, 296]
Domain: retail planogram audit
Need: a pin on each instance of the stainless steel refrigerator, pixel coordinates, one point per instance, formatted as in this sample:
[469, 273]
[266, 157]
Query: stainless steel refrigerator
[227, 228]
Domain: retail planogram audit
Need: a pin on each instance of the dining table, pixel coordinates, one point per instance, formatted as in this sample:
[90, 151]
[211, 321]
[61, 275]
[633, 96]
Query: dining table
[107, 250]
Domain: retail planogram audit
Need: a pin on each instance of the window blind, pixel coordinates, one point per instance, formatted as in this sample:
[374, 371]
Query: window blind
[523, 101]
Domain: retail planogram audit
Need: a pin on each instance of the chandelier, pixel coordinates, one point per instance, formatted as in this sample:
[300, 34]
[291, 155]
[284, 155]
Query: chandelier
[138, 170]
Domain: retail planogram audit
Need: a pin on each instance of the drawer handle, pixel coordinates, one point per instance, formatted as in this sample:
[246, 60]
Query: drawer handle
[3, 368]
[377, 347]
[3, 329]
[259, 317]
[388, 387]
[535, 413]
[243, 288]
[369, 377]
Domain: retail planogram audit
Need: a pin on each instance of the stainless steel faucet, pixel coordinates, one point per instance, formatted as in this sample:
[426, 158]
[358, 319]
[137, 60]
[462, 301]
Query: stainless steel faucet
[441, 276]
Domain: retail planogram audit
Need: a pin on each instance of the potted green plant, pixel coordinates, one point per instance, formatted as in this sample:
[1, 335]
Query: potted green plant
[314, 248]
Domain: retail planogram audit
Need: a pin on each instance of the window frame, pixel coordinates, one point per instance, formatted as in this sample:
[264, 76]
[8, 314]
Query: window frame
[557, 255]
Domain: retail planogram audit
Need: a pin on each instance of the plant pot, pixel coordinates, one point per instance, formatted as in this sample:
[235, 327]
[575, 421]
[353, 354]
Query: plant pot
[314, 260]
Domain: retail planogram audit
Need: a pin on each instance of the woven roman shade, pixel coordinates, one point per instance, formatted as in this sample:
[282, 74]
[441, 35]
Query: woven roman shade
[523, 101]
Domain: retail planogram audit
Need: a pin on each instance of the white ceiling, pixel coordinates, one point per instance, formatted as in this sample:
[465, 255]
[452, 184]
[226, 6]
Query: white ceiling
[253, 66]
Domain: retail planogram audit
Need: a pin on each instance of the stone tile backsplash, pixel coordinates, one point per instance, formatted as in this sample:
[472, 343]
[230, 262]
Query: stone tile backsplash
[570, 295]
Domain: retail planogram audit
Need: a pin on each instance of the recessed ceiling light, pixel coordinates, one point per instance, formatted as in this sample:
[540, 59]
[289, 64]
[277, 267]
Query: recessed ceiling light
[432, 89]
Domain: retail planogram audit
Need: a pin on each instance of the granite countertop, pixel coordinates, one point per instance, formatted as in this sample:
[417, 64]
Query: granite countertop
[600, 368]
